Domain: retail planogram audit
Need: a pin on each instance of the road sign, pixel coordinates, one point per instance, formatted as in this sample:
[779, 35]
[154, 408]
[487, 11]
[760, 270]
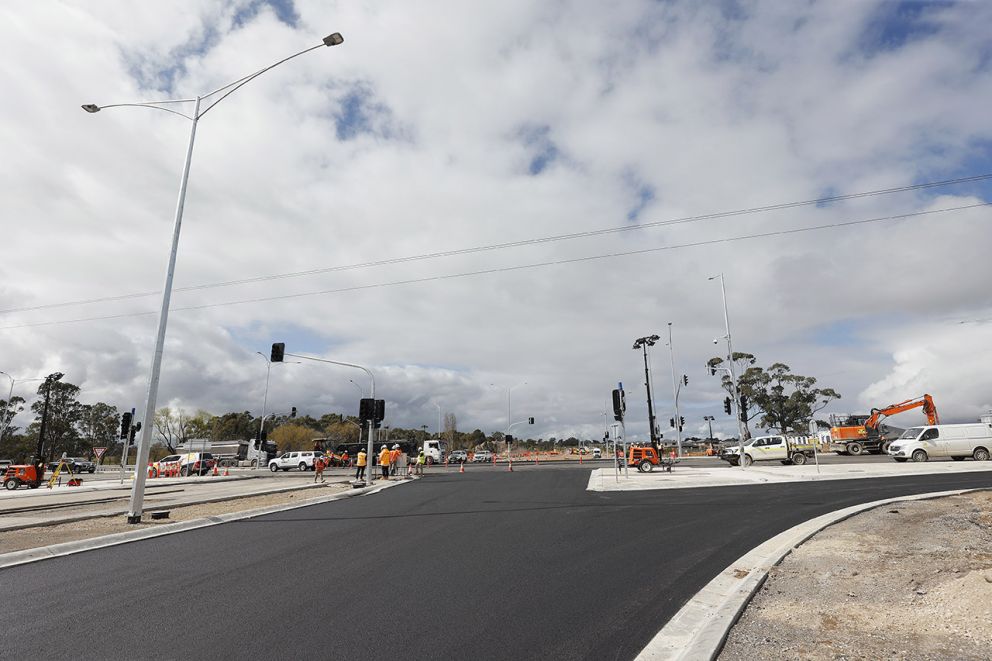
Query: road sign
[99, 452]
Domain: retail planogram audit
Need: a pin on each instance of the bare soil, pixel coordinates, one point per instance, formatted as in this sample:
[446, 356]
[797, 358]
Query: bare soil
[29, 538]
[910, 580]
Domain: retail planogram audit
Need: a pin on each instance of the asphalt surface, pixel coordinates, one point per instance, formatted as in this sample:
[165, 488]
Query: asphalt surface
[483, 565]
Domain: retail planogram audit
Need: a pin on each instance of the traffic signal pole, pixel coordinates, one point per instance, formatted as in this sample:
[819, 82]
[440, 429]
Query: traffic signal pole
[730, 368]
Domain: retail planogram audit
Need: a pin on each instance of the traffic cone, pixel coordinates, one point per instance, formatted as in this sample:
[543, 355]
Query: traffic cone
[227, 471]
[461, 467]
[580, 457]
[215, 471]
[509, 464]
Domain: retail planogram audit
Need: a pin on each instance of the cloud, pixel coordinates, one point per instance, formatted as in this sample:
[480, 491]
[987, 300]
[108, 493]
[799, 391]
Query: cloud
[443, 126]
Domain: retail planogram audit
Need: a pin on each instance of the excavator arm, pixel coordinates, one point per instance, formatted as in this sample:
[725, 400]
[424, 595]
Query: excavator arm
[925, 402]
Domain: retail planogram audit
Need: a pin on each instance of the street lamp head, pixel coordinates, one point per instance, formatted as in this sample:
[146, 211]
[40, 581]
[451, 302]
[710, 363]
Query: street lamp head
[654, 338]
[329, 40]
[91, 107]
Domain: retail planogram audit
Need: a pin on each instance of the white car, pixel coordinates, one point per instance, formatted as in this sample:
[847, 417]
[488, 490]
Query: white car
[597, 453]
[303, 461]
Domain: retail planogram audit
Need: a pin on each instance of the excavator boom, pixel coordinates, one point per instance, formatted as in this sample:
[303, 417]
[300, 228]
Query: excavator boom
[925, 402]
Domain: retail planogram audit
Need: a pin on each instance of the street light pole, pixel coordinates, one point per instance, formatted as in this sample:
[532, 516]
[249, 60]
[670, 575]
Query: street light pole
[438, 420]
[265, 401]
[675, 393]
[144, 444]
[730, 368]
[709, 421]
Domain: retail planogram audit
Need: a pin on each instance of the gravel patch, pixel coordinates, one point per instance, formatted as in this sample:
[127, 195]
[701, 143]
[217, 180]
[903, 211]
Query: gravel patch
[907, 581]
[29, 538]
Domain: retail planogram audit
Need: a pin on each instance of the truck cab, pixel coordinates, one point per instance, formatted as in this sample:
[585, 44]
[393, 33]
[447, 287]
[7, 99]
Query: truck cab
[435, 451]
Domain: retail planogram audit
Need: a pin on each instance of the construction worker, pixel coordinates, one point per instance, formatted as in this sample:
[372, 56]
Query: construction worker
[360, 463]
[421, 460]
[384, 458]
[318, 467]
[394, 461]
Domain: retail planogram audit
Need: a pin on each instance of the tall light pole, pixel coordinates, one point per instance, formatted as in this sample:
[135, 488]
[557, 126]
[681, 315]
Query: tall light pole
[508, 389]
[643, 343]
[709, 421]
[5, 422]
[675, 393]
[438, 420]
[144, 443]
[730, 367]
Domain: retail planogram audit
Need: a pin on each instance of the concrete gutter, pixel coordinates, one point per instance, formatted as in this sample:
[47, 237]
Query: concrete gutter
[700, 628]
[68, 548]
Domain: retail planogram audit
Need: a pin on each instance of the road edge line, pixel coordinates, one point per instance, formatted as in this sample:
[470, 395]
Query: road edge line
[700, 628]
[26, 556]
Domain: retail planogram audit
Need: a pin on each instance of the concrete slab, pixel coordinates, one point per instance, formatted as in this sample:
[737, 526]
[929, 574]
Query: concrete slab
[691, 477]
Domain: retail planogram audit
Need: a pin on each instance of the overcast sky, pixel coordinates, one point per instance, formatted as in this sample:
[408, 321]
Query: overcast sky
[442, 126]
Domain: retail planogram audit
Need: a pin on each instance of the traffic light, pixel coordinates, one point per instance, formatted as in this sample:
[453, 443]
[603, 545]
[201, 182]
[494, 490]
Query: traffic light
[685, 379]
[379, 412]
[681, 422]
[743, 409]
[278, 350]
[135, 428]
[712, 371]
[619, 405]
[125, 423]
[292, 413]
[366, 409]
[530, 421]
[726, 405]
[671, 422]
[509, 438]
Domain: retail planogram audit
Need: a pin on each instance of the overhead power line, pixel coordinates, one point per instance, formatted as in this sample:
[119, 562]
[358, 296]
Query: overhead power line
[512, 244]
[507, 269]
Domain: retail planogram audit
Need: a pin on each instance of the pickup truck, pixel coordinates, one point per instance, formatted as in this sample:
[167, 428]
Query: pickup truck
[76, 464]
[770, 448]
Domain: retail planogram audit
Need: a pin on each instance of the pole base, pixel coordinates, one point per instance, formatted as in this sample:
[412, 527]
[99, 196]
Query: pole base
[134, 518]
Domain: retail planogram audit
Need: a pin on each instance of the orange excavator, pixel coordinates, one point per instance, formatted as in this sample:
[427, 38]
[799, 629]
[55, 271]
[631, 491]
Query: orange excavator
[869, 436]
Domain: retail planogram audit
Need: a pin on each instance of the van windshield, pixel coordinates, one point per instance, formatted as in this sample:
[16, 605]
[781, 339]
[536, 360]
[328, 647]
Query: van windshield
[912, 432]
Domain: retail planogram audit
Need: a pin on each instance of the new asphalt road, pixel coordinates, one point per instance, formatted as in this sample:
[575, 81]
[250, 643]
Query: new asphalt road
[482, 565]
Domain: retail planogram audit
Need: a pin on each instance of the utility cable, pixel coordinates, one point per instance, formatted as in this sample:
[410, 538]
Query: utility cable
[508, 269]
[513, 244]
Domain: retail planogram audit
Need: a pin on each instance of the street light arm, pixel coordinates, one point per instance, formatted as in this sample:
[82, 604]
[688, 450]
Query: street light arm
[154, 105]
[237, 84]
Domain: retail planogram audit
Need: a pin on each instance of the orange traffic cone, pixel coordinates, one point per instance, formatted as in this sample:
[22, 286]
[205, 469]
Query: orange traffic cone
[461, 467]
[215, 471]
[227, 471]
[580, 457]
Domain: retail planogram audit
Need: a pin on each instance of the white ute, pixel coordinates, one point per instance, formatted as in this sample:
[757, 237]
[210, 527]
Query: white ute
[770, 448]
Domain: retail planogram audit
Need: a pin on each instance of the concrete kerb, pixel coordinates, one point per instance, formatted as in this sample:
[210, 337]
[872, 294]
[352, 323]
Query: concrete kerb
[68, 548]
[699, 630]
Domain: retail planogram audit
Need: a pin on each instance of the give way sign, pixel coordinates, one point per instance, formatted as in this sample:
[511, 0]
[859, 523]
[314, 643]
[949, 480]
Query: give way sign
[99, 452]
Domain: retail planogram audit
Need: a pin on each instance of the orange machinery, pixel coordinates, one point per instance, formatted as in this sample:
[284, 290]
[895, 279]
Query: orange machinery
[857, 434]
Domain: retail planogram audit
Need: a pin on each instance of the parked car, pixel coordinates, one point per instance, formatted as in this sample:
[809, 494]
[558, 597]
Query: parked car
[482, 456]
[458, 457]
[303, 461]
[75, 464]
[597, 453]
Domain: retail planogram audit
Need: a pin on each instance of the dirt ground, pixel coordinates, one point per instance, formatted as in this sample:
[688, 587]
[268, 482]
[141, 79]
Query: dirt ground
[29, 538]
[910, 580]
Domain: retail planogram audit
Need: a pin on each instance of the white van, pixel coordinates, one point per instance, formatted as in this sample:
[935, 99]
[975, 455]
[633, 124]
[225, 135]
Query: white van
[954, 441]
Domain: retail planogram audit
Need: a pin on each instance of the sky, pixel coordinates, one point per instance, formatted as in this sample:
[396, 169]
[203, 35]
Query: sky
[342, 203]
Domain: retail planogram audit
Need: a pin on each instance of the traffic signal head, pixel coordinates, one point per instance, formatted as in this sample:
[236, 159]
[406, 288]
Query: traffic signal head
[366, 409]
[379, 412]
[681, 422]
[726, 405]
[712, 371]
[292, 412]
[619, 405]
[685, 379]
[530, 421]
[125, 423]
[671, 422]
[509, 438]
[278, 351]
